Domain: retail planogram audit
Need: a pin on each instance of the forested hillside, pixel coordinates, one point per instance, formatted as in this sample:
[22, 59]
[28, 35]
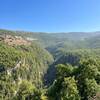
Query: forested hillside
[49, 66]
[22, 67]
[77, 76]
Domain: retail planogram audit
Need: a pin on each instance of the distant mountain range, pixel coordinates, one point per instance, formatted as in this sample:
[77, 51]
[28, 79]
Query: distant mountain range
[70, 39]
[48, 39]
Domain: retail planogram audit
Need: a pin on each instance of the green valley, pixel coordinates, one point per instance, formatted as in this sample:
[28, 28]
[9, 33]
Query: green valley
[49, 66]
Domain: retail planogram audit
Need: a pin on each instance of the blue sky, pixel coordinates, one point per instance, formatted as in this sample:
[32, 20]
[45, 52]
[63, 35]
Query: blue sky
[50, 15]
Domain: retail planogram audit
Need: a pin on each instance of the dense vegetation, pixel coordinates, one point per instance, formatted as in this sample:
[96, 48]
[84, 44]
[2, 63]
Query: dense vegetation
[77, 77]
[22, 69]
[71, 71]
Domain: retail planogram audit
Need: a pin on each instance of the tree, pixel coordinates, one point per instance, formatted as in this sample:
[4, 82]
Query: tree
[64, 70]
[88, 69]
[69, 89]
[28, 91]
[92, 88]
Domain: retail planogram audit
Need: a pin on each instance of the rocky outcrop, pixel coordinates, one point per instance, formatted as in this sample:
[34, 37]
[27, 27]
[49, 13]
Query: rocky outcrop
[14, 40]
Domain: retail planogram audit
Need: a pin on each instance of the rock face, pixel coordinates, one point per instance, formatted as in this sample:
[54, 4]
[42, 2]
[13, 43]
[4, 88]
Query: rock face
[14, 40]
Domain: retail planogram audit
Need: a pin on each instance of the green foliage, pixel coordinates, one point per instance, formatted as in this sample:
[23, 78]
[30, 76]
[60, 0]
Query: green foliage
[22, 68]
[64, 70]
[20, 63]
[75, 83]
[8, 56]
[88, 69]
[92, 88]
[69, 89]
[28, 91]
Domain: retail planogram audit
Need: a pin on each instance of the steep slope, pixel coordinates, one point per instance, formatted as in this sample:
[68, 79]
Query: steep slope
[22, 67]
[72, 57]
[24, 62]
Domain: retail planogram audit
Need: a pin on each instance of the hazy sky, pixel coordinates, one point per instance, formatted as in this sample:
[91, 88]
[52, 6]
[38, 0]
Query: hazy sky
[50, 15]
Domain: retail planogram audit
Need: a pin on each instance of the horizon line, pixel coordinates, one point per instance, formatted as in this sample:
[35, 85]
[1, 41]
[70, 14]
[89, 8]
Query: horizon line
[22, 30]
